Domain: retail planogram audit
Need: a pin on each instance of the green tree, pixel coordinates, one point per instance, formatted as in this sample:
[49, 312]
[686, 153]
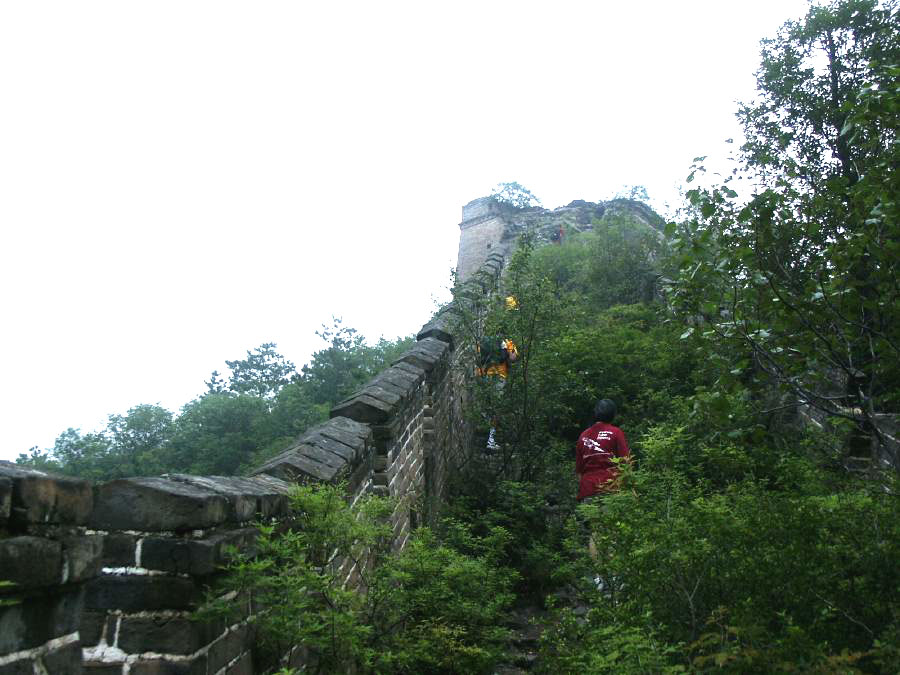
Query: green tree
[800, 278]
[263, 373]
[138, 440]
[347, 363]
[514, 195]
[219, 434]
[427, 609]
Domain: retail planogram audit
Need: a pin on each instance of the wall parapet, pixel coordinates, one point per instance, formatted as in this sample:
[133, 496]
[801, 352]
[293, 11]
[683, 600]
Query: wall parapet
[106, 577]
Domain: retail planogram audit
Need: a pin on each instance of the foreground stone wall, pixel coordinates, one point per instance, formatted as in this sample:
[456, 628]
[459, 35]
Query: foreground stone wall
[106, 577]
[47, 552]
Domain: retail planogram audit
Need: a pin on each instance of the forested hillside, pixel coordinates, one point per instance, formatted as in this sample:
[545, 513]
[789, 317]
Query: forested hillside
[752, 349]
[248, 414]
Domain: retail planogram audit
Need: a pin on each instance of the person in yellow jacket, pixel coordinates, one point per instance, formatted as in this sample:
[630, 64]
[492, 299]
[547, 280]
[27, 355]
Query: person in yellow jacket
[495, 355]
[495, 360]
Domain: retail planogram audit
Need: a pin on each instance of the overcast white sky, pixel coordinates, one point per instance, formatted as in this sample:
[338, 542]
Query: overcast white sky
[183, 181]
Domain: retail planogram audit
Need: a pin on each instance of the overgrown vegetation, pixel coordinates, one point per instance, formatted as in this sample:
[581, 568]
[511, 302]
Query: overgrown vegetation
[428, 609]
[742, 540]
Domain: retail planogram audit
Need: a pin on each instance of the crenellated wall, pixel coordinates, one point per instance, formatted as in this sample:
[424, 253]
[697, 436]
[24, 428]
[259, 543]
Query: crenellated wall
[106, 576]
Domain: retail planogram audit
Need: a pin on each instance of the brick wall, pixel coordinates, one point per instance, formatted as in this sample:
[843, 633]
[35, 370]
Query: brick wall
[106, 576]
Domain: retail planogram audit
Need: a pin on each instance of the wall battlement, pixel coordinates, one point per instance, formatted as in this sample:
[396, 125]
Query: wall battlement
[106, 576]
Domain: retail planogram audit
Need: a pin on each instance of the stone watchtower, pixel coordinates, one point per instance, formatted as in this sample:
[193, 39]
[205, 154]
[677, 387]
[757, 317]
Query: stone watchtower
[481, 232]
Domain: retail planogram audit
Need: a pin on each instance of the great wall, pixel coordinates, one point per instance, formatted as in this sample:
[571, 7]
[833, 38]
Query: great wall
[106, 576]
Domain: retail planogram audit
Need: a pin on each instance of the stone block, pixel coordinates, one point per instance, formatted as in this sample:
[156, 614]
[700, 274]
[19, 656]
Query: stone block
[91, 627]
[299, 463]
[411, 368]
[82, 557]
[247, 497]
[360, 475]
[66, 659]
[229, 647]
[404, 382]
[24, 666]
[102, 668]
[161, 634]
[439, 328]
[356, 446]
[5, 499]
[135, 593]
[344, 453]
[350, 426]
[30, 562]
[194, 666]
[365, 408]
[36, 621]
[243, 666]
[196, 557]
[153, 504]
[40, 497]
[118, 550]
[425, 354]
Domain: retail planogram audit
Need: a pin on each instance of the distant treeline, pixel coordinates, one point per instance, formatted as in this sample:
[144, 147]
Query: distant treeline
[249, 413]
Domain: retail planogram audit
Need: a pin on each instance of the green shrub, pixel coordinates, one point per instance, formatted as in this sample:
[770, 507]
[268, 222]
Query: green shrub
[427, 609]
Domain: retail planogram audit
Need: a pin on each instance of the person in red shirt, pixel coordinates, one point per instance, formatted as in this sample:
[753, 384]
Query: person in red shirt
[597, 448]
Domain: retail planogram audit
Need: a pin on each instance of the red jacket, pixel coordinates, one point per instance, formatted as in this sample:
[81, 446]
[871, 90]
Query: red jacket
[596, 448]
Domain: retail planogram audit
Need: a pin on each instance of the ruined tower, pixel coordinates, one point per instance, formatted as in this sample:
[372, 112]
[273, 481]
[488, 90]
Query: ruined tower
[481, 233]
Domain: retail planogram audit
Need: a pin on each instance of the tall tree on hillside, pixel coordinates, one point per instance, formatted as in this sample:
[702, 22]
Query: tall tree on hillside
[514, 194]
[802, 275]
[263, 373]
[138, 440]
[347, 363]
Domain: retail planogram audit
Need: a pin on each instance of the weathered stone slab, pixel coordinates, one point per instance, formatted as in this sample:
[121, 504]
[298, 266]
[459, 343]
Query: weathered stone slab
[229, 647]
[30, 562]
[91, 627]
[247, 497]
[162, 634]
[156, 666]
[196, 557]
[402, 382]
[342, 452]
[410, 368]
[152, 504]
[241, 503]
[40, 497]
[243, 666]
[425, 354]
[364, 408]
[354, 446]
[350, 426]
[391, 387]
[66, 659]
[118, 550]
[38, 620]
[271, 494]
[137, 593]
[82, 557]
[23, 666]
[94, 668]
[5, 499]
[317, 453]
[296, 467]
[440, 327]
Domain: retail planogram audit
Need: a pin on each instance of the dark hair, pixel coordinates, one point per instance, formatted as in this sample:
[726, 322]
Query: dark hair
[604, 411]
